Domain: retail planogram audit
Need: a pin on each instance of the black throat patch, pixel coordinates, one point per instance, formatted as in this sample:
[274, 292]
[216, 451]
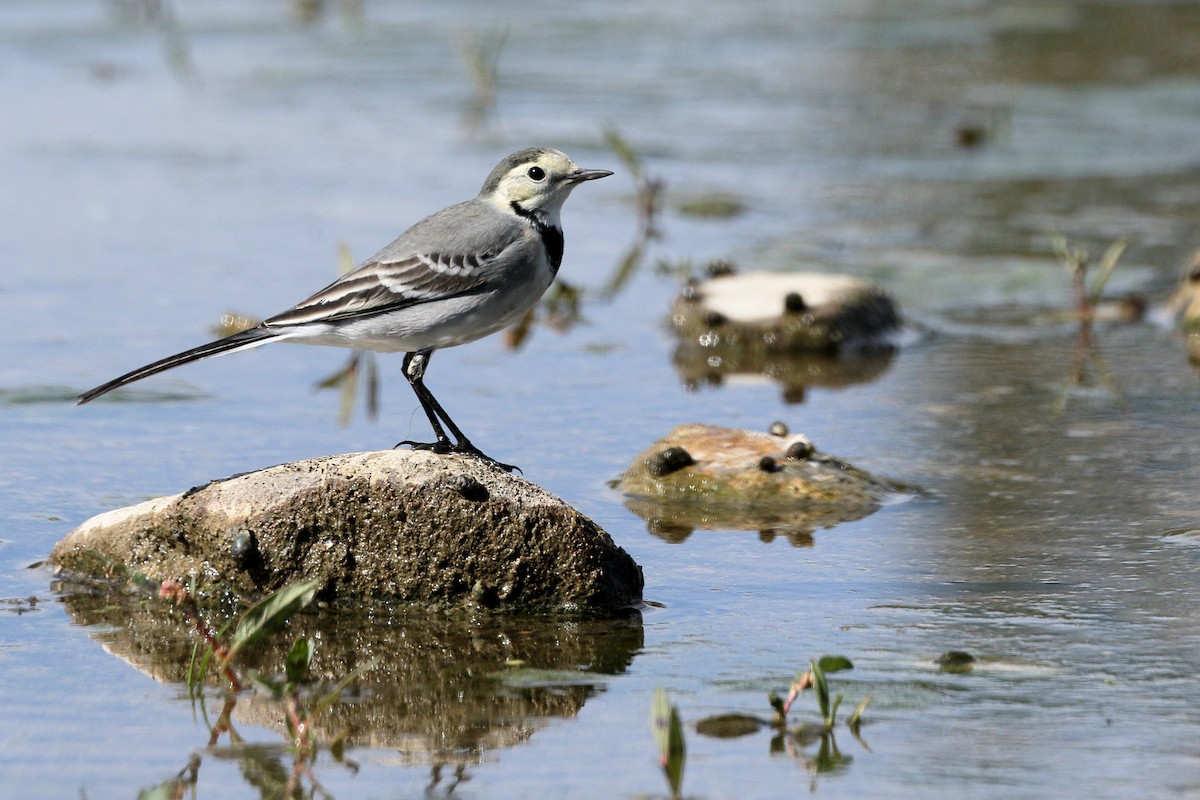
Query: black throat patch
[552, 237]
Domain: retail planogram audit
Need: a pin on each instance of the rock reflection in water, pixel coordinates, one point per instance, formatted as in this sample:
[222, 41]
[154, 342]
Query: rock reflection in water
[444, 689]
[796, 372]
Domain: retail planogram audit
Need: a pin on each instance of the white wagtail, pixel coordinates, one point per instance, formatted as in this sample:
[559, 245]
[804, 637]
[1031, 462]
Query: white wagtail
[456, 276]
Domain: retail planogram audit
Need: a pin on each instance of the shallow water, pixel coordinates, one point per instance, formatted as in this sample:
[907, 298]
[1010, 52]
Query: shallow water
[160, 175]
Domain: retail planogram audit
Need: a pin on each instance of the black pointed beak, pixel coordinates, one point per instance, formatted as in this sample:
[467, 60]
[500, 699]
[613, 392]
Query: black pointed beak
[581, 175]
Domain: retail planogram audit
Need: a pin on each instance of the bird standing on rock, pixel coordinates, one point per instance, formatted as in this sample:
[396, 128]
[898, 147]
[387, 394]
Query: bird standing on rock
[458, 275]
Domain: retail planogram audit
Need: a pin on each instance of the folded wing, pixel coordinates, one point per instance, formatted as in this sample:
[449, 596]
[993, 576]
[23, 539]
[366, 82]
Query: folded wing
[379, 287]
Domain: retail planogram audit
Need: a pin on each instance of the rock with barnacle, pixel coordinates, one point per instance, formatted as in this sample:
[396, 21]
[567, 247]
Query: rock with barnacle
[801, 328]
[785, 312]
[396, 525]
[705, 476]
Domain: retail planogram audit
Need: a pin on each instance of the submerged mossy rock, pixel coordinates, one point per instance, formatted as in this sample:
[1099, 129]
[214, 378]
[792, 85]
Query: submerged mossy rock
[759, 313]
[393, 525]
[705, 476]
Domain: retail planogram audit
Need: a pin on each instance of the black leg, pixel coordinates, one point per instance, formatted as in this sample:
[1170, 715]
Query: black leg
[415, 373]
[414, 367]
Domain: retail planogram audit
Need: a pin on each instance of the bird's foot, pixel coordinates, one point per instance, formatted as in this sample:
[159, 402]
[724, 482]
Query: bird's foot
[443, 446]
[468, 449]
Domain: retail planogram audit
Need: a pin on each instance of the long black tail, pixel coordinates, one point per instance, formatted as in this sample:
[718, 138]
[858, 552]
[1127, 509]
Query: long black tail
[238, 341]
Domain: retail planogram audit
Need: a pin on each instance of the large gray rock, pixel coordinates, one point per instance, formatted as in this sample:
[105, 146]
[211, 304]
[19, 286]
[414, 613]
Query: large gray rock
[393, 525]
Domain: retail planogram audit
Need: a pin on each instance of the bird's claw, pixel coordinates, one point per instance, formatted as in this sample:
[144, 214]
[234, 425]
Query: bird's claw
[444, 446]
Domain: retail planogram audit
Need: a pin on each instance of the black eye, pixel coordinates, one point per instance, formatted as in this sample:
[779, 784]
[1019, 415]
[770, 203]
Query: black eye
[536, 173]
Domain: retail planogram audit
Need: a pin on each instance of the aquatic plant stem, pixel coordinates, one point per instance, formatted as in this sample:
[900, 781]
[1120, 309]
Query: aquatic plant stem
[177, 593]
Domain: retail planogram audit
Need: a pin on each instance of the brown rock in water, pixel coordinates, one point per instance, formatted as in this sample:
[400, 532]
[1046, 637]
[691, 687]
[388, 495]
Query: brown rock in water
[393, 525]
[799, 329]
[705, 476]
[784, 312]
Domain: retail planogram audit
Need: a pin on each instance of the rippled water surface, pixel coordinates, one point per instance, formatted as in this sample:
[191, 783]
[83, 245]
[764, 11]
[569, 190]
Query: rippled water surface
[164, 167]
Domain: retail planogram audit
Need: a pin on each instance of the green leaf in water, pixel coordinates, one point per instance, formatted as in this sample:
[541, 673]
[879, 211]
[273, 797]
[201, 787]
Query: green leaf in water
[829, 758]
[296, 665]
[164, 791]
[1108, 263]
[270, 613]
[835, 664]
[821, 687]
[668, 734]
[777, 703]
[337, 748]
[855, 720]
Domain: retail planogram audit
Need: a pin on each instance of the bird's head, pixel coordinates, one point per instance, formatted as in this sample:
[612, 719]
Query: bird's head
[536, 179]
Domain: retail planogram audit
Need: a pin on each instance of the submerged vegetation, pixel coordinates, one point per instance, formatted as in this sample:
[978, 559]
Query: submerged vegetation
[1089, 369]
[482, 52]
[218, 662]
[1088, 287]
[793, 738]
[668, 736]
[787, 737]
[298, 699]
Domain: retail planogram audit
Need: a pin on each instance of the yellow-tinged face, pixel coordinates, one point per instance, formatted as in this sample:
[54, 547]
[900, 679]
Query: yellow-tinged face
[537, 179]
